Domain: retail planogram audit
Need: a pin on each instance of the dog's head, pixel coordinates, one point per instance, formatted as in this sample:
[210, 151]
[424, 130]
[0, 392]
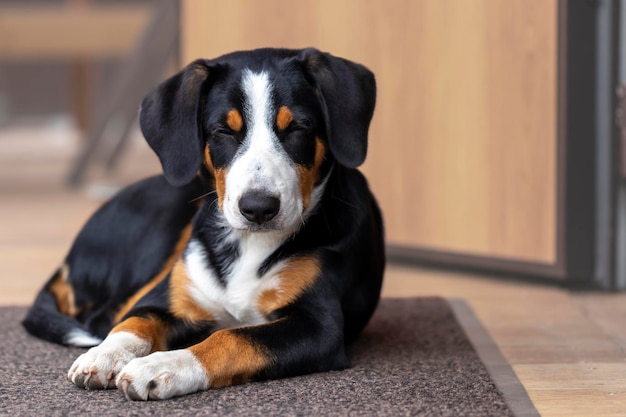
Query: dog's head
[267, 124]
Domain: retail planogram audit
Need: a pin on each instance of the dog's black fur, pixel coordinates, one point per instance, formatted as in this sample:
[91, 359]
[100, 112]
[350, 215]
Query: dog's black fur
[330, 265]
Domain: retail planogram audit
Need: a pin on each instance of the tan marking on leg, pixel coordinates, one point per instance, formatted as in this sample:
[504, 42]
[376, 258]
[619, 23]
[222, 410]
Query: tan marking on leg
[219, 176]
[229, 358]
[149, 328]
[298, 275]
[167, 267]
[182, 304]
[310, 175]
[234, 120]
[284, 117]
[63, 292]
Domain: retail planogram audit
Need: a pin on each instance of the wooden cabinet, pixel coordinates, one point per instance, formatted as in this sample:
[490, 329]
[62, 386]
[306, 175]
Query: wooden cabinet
[468, 145]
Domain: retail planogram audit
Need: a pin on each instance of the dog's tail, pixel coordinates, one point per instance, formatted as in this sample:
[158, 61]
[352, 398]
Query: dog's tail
[46, 321]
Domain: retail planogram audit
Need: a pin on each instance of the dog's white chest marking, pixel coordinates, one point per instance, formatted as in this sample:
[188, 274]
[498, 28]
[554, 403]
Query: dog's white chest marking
[235, 302]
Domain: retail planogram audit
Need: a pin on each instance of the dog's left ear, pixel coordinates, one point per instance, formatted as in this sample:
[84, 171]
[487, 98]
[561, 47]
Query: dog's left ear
[169, 121]
[348, 95]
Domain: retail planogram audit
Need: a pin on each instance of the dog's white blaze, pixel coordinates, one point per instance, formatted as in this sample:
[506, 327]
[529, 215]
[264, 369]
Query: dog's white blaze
[263, 164]
[234, 304]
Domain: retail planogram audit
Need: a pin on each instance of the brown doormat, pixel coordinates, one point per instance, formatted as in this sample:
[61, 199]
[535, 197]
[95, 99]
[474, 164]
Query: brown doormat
[413, 359]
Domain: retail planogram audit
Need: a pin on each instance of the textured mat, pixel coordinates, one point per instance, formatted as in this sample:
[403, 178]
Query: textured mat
[413, 359]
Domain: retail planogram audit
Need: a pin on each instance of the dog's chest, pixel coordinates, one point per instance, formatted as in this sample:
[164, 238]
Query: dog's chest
[232, 301]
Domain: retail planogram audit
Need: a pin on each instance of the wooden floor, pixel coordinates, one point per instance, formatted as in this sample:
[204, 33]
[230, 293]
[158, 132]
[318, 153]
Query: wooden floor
[568, 349]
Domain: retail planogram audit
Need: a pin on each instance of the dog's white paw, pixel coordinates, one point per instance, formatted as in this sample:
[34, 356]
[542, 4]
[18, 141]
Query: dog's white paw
[162, 375]
[98, 367]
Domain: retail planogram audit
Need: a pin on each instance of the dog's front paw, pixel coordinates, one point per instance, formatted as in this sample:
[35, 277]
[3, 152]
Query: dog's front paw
[162, 375]
[98, 367]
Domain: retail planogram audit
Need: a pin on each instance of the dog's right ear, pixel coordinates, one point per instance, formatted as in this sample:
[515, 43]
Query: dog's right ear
[169, 120]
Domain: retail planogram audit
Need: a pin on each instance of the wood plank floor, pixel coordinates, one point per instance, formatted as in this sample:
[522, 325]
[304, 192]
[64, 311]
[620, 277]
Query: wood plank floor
[567, 348]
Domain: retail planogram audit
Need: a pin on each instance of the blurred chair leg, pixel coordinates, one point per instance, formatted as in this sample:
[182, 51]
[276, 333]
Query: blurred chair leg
[81, 84]
[127, 123]
[143, 68]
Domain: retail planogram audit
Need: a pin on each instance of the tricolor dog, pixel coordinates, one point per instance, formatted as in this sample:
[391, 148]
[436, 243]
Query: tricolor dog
[258, 254]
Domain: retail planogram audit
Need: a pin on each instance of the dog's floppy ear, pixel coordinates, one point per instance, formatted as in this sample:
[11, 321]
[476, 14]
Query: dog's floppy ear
[348, 95]
[169, 120]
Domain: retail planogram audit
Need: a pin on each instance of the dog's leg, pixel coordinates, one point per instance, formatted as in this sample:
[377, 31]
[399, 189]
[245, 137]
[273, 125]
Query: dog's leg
[230, 356]
[287, 346]
[132, 338]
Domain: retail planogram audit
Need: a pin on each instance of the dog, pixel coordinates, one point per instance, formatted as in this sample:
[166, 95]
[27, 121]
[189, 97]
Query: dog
[258, 254]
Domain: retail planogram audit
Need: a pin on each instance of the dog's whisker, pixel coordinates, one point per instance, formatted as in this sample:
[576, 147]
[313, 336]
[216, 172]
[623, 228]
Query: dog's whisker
[213, 203]
[202, 196]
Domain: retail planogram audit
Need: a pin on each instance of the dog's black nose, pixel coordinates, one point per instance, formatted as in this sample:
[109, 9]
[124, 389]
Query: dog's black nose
[259, 207]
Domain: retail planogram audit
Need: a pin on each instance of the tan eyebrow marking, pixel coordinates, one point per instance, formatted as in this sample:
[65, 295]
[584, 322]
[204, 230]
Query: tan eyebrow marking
[284, 117]
[234, 120]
